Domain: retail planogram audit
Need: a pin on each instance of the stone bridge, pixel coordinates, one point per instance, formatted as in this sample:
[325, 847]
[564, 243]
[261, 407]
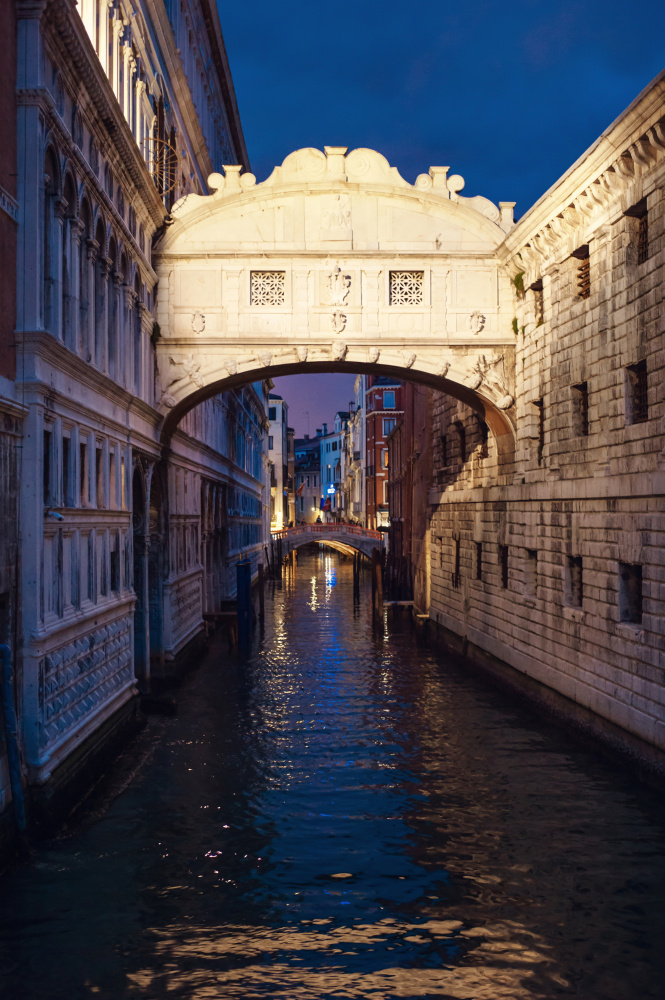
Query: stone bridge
[335, 263]
[348, 538]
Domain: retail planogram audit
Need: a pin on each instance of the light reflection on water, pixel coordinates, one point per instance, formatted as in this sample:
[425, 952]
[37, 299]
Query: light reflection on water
[344, 816]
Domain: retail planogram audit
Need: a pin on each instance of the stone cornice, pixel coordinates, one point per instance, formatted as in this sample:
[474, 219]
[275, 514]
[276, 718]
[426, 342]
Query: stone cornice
[39, 343]
[582, 199]
[181, 90]
[65, 20]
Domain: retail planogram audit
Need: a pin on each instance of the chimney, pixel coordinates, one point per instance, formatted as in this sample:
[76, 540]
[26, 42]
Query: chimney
[306, 437]
[325, 428]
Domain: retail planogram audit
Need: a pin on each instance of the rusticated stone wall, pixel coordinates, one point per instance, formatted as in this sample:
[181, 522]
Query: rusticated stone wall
[560, 571]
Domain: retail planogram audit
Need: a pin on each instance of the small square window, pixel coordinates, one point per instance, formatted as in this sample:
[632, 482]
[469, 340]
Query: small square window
[389, 400]
[630, 593]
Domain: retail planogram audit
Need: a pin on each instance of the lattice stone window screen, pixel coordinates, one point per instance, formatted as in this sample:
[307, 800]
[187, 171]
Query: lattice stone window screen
[406, 288]
[267, 288]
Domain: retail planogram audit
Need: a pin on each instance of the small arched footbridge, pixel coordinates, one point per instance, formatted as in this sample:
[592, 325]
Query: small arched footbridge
[348, 538]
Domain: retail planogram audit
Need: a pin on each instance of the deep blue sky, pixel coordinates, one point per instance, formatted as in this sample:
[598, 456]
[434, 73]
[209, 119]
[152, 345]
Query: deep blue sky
[506, 94]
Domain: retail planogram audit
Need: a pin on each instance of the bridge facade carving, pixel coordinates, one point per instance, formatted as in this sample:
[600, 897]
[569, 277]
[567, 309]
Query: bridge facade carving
[336, 263]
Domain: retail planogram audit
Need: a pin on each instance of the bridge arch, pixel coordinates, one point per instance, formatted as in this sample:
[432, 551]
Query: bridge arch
[336, 264]
[344, 537]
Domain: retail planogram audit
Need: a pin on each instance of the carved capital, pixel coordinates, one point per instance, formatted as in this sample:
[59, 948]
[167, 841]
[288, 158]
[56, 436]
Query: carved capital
[92, 249]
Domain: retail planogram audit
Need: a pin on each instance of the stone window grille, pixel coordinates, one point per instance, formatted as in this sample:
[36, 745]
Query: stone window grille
[574, 585]
[583, 272]
[580, 394]
[503, 565]
[267, 288]
[630, 593]
[406, 288]
[637, 410]
[479, 560]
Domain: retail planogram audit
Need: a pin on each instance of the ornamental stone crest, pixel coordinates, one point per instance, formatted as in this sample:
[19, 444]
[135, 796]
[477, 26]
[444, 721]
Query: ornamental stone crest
[476, 322]
[338, 321]
[198, 322]
[338, 286]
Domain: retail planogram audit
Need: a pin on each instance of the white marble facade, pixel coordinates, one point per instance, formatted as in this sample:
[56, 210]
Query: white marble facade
[121, 111]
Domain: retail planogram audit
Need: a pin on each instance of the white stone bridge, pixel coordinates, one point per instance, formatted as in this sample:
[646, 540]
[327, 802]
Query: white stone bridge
[347, 538]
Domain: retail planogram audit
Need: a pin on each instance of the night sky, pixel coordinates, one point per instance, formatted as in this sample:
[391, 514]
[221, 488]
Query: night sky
[507, 95]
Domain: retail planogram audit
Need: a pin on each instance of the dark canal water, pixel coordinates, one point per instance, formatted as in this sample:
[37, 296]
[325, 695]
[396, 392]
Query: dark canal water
[344, 815]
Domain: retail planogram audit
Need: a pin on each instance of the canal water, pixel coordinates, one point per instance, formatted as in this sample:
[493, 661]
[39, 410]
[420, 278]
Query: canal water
[344, 814]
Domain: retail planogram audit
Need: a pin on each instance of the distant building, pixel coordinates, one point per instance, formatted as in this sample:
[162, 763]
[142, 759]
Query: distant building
[383, 409]
[355, 447]
[409, 481]
[333, 466]
[278, 453]
[307, 480]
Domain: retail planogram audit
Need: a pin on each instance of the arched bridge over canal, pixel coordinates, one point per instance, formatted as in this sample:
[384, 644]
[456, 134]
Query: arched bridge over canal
[347, 538]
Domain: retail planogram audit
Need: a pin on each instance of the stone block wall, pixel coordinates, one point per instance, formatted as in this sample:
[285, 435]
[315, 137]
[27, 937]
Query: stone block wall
[559, 570]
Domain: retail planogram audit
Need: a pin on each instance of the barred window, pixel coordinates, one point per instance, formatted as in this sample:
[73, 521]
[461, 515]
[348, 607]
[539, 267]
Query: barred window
[267, 288]
[640, 239]
[580, 395]
[503, 565]
[630, 593]
[574, 582]
[406, 288]
[538, 304]
[583, 272]
[637, 401]
[643, 239]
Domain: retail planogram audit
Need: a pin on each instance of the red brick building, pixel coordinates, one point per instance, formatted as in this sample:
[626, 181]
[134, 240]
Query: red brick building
[383, 409]
[410, 477]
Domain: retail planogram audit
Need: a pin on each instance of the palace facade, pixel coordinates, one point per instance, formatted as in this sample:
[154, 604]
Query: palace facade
[127, 541]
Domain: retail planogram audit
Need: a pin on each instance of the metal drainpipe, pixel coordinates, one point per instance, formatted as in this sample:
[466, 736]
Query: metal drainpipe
[11, 740]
